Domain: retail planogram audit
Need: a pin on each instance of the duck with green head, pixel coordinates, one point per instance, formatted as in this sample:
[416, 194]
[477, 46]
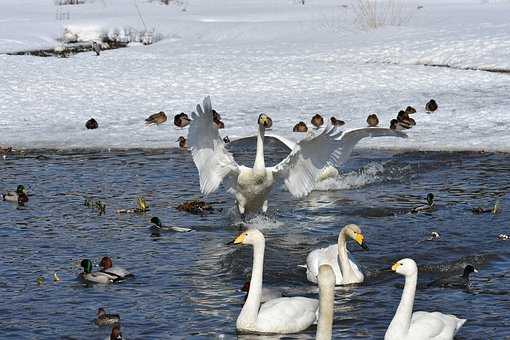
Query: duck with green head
[19, 196]
[95, 277]
[430, 206]
[157, 226]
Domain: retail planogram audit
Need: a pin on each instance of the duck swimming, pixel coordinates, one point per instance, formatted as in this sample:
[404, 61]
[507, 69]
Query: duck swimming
[251, 186]
[181, 120]
[300, 127]
[104, 319]
[337, 122]
[157, 118]
[428, 207]
[337, 256]
[372, 120]
[95, 277]
[183, 143]
[431, 106]
[19, 196]
[461, 281]
[407, 325]
[157, 226]
[317, 121]
[107, 267]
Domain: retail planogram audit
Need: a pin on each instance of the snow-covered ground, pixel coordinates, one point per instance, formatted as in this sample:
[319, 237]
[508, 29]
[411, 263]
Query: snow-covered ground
[274, 56]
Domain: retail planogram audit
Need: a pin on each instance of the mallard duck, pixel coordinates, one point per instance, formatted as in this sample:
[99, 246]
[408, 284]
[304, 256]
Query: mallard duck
[337, 122]
[461, 281]
[19, 196]
[181, 120]
[398, 126]
[104, 319]
[431, 106]
[426, 208]
[410, 110]
[300, 127]
[91, 124]
[95, 277]
[217, 120]
[317, 121]
[183, 143]
[116, 333]
[107, 267]
[158, 226]
[157, 118]
[403, 117]
[372, 120]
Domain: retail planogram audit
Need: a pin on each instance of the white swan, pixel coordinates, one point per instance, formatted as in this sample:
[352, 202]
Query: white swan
[336, 255]
[251, 186]
[283, 315]
[407, 325]
[326, 302]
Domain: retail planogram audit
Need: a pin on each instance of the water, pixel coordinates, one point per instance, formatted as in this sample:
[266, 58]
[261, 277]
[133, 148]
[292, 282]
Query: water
[187, 284]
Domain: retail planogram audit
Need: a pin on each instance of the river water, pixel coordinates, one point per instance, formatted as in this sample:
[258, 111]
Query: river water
[188, 284]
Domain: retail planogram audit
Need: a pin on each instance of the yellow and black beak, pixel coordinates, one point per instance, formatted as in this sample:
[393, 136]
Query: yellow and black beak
[395, 266]
[361, 241]
[265, 121]
[239, 239]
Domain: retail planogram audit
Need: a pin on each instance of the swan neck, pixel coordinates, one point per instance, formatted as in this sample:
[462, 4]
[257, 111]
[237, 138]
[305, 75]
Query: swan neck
[345, 266]
[326, 304]
[251, 307]
[404, 312]
[259, 158]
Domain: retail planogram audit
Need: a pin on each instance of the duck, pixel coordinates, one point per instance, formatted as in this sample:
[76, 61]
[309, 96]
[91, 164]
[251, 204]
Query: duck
[91, 124]
[284, 315]
[300, 127]
[19, 196]
[251, 186]
[403, 118]
[183, 143]
[461, 281]
[116, 333]
[226, 140]
[266, 295]
[107, 267]
[410, 110]
[398, 126]
[104, 319]
[156, 118]
[430, 206]
[326, 302]
[317, 121]
[95, 277]
[181, 120]
[158, 226]
[337, 122]
[372, 120]
[5, 151]
[337, 256]
[407, 325]
[431, 106]
[217, 120]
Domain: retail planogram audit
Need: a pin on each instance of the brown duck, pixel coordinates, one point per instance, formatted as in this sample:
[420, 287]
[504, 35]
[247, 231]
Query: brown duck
[181, 120]
[317, 121]
[300, 127]
[91, 124]
[183, 143]
[410, 110]
[337, 122]
[157, 118]
[431, 106]
[372, 120]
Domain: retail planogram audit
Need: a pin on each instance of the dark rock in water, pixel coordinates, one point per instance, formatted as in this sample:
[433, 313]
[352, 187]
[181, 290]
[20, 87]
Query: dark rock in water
[91, 124]
[195, 207]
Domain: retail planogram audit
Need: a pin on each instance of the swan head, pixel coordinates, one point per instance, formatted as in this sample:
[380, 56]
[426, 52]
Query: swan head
[251, 236]
[326, 276]
[265, 121]
[106, 263]
[354, 232]
[405, 267]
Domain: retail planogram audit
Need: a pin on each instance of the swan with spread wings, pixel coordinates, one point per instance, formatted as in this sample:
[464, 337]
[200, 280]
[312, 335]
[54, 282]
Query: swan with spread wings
[251, 186]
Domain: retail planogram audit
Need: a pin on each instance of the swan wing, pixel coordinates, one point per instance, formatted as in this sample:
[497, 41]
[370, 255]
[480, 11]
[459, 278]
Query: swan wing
[287, 315]
[318, 257]
[434, 325]
[211, 158]
[302, 167]
[289, 144]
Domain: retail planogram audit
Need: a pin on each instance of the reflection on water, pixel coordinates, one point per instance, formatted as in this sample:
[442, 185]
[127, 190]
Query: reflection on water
[187, 284]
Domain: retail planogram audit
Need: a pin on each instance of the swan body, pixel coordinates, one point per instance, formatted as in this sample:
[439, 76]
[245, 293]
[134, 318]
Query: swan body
[251, 186]
[266, 294]
[283, 315]
[407, 325]
[336, 255]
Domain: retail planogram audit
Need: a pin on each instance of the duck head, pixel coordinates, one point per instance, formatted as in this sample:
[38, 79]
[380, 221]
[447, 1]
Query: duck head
[265, 121]
[354, 232]
[21, 189]
[317, 121]
[156, 221]
[100, 312]
[468, 270]
[87, 265]
[430, 198]
[106, 263]
[405, 267]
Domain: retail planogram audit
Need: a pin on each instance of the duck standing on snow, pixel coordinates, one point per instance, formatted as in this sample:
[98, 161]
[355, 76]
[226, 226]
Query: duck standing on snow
[181, 120]
[251, 186]
[183, 143]
[19, 196]
[107, 267]
[317, 121]
[461, 281]
[337, 122]
[156, 118]
[407, 325]
[91, 124]
[95, 277]
[300, 127]
[431, 106]
[372, 120]
[104, 319]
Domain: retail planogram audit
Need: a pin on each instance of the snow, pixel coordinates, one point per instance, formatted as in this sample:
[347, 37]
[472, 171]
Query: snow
[273, 56]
